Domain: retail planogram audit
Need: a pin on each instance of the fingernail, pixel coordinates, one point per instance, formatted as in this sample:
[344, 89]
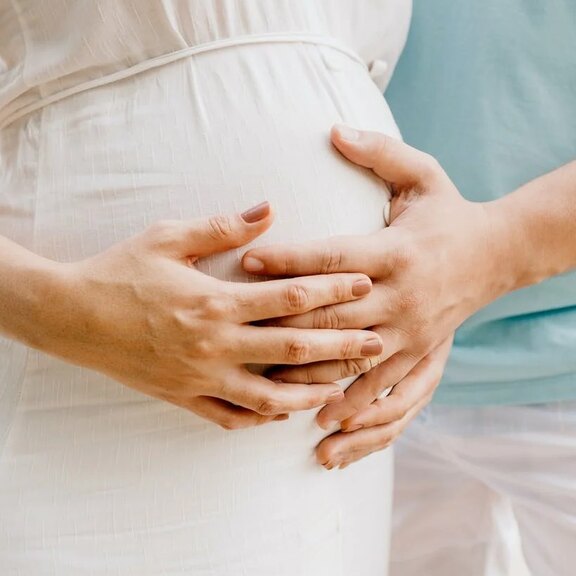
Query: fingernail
[257, 213]
[347, 133]
[336, 396]
[361, 287]
[336, 460]
[281, 417]
[278, 381]
[371, 347]
[329, 425]
[253, 264]
[387, 211]
[353, 428]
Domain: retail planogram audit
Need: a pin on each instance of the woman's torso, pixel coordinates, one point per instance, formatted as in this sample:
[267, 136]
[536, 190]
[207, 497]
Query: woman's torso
[95, 478]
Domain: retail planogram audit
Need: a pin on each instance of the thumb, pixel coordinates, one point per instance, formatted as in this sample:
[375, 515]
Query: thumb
[206, 236]
[394, 161]
[225, 232]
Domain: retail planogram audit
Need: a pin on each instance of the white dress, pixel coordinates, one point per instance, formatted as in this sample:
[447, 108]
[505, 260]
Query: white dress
[117, 113]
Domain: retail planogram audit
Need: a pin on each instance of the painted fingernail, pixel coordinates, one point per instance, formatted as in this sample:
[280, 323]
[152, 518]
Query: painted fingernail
[256, 213]
[371, 347]
[336, 396]
[347, 133]
[252, 264]
[353, 428]
[281, 417]
[361, 287]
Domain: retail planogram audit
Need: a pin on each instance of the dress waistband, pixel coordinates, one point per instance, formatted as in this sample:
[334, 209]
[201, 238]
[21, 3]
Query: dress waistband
[273, 38]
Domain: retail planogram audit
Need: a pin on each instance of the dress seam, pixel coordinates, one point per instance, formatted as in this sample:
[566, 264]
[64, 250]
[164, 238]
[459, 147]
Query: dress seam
[253, 39]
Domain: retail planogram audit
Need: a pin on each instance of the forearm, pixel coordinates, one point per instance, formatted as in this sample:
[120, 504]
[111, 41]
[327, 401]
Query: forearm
[26, 281]
[537, 225]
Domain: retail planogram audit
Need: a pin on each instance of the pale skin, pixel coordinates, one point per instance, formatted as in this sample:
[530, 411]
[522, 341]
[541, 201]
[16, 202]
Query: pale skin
[141, 313]
[441, 260]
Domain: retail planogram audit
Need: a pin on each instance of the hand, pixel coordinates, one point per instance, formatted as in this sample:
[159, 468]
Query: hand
[439, 261]
[141, 313]
[377, 426]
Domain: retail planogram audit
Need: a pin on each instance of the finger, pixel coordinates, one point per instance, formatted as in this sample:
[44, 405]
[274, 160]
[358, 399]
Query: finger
[262, 345]
[388, 157]
[371, 254]
[270, 398]
[331, 370]
[366, 389]
[379, 428]
[256, 301]
[420, 382]
[206, 236]
[228, 415]
[343, 448]
[376, 308]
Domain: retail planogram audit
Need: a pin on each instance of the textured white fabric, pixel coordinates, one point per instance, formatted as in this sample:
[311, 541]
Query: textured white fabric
[94, 477]
[469, 480]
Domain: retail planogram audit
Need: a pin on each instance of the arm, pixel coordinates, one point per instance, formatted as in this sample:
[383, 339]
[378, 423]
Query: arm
[442, 259]
[537, 222]
[26, 284]
[539, 230]
[141, 313]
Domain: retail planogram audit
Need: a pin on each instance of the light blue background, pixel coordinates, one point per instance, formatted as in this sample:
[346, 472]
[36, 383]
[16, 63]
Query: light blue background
[489, 88]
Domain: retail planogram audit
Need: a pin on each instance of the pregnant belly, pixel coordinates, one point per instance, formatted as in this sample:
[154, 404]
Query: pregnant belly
[209, 135]
[214, 134]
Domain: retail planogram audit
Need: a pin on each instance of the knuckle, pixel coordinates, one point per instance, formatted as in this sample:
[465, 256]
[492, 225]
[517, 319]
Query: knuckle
[213, 307]
[353, 367]
[268, 406]
[308, 374]
[298, 351]
[341, 291]
[285, 264]
[310, 402]
[207, 348]
[327, 318]
[349, 348]
[330, 261]
[220, 227]
[297, 298]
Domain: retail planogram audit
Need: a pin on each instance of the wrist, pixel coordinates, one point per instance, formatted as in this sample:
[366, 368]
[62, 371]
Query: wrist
[516, 260]
[498, 249]
[27, 293]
